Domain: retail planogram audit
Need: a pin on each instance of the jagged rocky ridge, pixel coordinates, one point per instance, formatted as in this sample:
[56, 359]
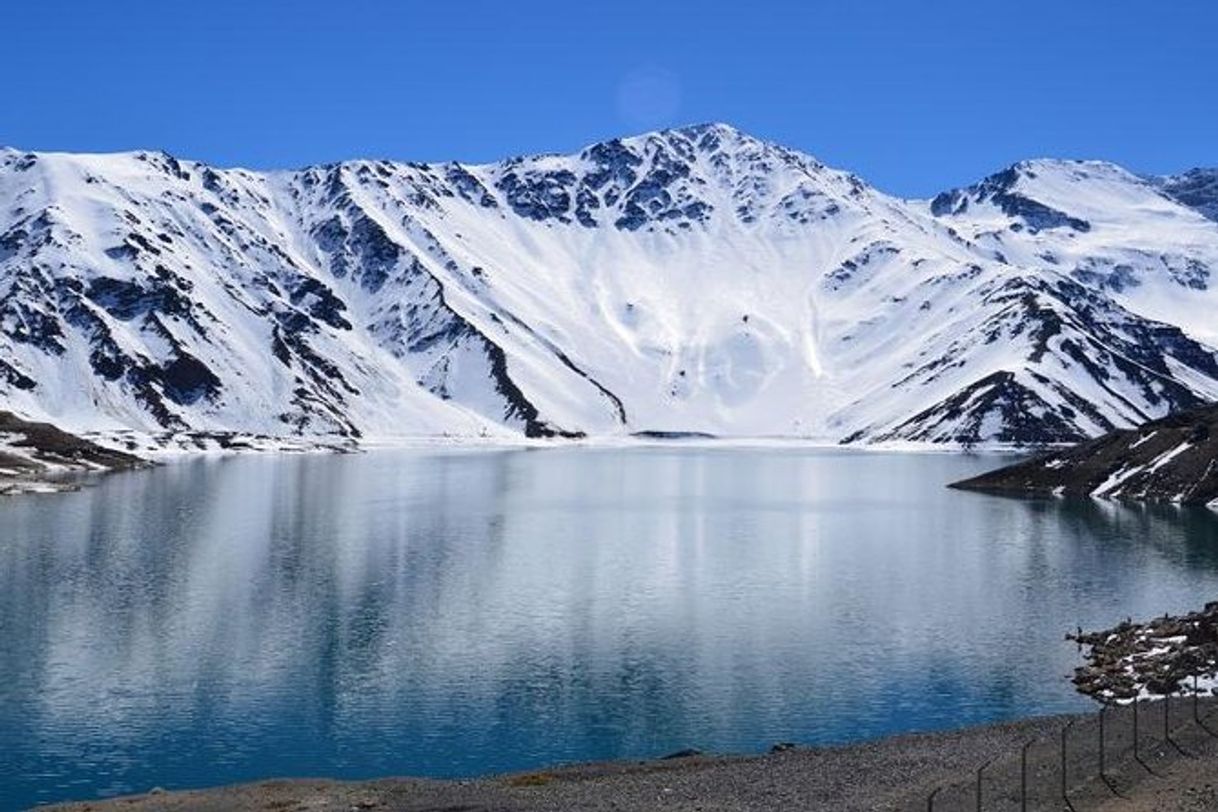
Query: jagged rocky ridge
[1174, 459]
[695, 280]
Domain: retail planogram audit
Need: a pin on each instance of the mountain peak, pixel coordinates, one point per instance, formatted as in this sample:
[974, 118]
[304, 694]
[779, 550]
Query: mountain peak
[1045, 193]
[702, 128]
[710, 137]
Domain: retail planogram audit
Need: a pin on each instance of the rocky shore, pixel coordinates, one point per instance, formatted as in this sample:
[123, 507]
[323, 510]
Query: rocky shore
[1170, 460]
[38, 457]
[1155, 658]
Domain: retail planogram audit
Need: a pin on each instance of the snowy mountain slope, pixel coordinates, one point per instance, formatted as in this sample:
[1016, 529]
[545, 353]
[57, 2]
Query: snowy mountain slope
[694, 280]
[1145, 242]
[1196, 188]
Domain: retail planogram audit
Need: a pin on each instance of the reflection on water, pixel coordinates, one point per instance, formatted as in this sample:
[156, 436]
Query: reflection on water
[454, 613]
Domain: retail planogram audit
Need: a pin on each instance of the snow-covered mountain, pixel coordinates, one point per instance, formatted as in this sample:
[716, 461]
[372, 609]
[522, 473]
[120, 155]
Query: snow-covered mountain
[691, 280]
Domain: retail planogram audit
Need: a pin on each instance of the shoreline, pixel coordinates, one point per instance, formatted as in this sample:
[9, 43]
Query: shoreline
[124, 451]
[42, 458]
[894, 773]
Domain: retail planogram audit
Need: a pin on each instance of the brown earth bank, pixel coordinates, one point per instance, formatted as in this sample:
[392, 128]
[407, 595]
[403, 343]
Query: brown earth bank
[1174, 769]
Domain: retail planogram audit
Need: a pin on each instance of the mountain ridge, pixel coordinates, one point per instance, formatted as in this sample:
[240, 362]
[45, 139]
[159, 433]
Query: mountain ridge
[688, 280]
[1196, 173]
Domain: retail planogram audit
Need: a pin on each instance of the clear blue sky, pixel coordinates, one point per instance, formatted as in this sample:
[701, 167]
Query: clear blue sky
[915, 96]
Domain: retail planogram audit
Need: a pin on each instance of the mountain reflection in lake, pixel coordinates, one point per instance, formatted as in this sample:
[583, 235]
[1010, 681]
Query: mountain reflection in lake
[446, 613]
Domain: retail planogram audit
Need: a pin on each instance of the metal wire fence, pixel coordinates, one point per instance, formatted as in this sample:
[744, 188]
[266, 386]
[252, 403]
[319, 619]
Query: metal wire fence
[1091, 760]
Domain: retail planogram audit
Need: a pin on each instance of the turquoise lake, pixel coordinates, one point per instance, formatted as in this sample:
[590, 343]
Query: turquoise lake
[461, 612]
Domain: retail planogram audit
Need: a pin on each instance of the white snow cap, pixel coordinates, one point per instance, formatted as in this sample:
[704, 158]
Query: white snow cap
[690, 280]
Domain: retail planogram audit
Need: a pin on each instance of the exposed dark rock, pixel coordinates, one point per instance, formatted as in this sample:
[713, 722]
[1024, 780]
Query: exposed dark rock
[657, 434]
[28, 314]
[187, 380]
[1022, 416]
[15, 377]
[538, 196]
[41, 454]
[469, 187]
[615, 162]
[127, 300]
[1197, 189]
[360, 248]
[316, 299]
[518, 406]
[1159, 657]
[999, 189]
[1174, 459]
[688, 752]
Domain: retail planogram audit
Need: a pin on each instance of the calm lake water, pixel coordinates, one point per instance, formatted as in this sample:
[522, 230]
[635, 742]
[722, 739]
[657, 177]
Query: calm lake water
[452, 613]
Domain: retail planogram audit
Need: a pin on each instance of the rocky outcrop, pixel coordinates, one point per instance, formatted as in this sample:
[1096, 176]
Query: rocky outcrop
[1167, 655]
[1170, 460]
[41, 457]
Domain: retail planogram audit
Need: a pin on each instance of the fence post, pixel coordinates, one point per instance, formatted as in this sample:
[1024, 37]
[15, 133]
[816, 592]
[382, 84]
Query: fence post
[1196, 711]
[1167, 727]
[1065, 783]
[1023, 776]
[1167, 719]
[1103, 765]
[1103, 710]
[980, 770]
[1137, 754]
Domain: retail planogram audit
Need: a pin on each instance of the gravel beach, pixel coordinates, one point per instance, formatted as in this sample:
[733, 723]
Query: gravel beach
[1179, 774]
